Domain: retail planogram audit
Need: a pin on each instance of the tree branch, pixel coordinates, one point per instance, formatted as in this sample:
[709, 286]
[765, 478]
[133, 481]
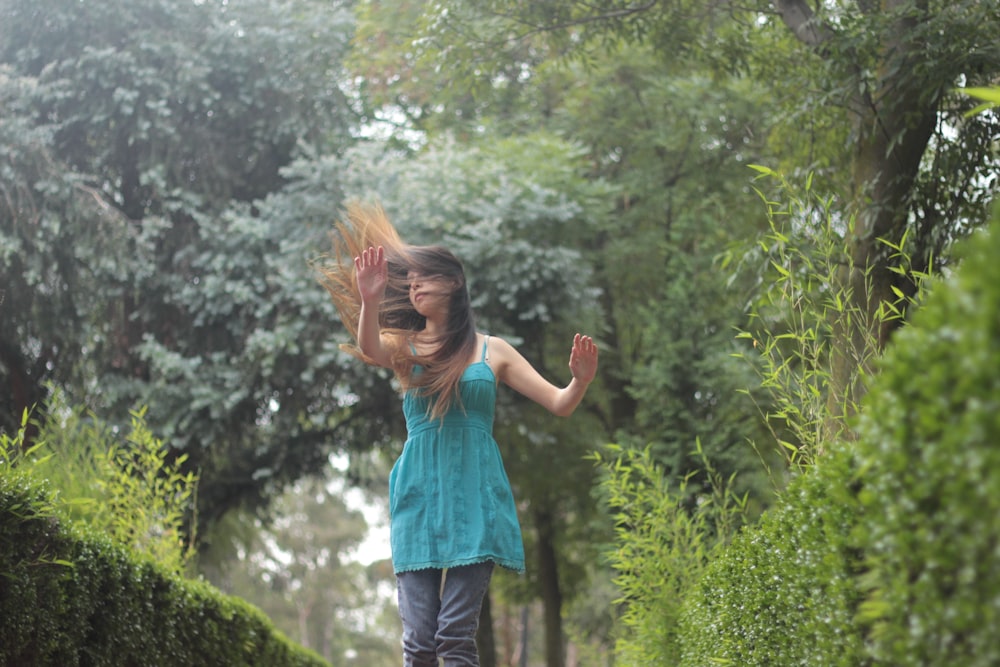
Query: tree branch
[583, 20]
[804, 24]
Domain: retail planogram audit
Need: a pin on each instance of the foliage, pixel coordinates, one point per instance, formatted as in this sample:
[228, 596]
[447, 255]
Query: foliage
[931, 484]
[168, 105]
[990, 98]
[881, 552]
[859, 93]
[147, 498]
[123, 488]
[801, 268]
[71, 597]
[17, 459]
[783, 592]
[665, 539]
[679, 182]
[48, 219]
[96, 578]
[143, 261]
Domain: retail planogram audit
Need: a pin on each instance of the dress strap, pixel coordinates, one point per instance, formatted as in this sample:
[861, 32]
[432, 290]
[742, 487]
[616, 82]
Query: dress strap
[486, 349]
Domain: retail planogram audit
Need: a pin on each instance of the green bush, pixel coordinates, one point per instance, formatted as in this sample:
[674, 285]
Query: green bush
[885, 551]
[69, 598]
[73, 594]
[930, 445]
[665, 538]
[783, 592]
[123, 485]
[802, 313]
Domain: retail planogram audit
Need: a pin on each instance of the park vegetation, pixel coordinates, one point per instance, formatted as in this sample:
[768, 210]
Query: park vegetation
[754, 207]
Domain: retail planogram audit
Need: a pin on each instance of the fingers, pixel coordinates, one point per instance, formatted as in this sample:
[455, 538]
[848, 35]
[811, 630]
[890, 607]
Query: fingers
[370, 257]
[583, 358]
[584, 345]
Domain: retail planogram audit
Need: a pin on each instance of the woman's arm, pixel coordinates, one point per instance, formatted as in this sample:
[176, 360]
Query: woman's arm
[514, 370]
[373, 276]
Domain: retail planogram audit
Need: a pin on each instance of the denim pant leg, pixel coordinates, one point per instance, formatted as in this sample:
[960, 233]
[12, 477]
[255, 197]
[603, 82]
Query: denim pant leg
[440, 620]
[461, 601]
[419, 595]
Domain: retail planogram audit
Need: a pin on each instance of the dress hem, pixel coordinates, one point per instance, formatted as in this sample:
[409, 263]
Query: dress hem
[504, 563]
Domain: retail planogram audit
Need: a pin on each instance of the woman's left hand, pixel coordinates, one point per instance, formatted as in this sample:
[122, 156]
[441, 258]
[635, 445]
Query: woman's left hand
[583, 358]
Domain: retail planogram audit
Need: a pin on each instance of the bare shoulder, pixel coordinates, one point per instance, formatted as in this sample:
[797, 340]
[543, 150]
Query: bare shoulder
[504, 358]
[498, 348]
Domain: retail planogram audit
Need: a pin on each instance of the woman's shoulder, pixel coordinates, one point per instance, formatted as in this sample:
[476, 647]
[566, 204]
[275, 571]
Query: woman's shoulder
[497, 348]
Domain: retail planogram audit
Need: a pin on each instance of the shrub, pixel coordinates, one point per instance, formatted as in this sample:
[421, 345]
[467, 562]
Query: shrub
[125, 486]
[884, 551]
[665, 537]
[783, 592]
[930, 443]
[73, 598]
[807, 320]
[71, 594]
[146, 497]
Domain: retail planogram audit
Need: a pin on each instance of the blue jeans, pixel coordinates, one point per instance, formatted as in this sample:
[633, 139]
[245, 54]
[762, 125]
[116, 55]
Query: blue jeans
[440, 614]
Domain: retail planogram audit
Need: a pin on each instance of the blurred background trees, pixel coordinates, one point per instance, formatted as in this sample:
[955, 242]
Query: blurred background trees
[171, 170]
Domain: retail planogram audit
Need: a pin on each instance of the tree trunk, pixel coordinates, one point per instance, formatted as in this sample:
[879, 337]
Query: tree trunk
[25, 394]
[548, 581]
[895, 115]
[895, 122]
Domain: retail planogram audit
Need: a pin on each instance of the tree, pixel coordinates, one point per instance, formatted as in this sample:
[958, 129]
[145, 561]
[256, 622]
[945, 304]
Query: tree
[668, 181]
[48, 218]
[144, 261]
[880, 74]
[672, 151]
[679, 174]
[892, 67]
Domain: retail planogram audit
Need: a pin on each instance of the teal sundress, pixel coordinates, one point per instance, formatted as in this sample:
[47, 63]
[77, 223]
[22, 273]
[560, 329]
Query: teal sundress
[450, 501]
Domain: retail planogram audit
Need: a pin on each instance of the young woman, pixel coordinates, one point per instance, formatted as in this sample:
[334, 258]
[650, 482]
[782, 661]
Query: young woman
[452, 513]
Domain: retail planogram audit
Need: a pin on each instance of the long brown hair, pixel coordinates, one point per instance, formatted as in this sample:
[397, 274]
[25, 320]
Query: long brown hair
[366, 226]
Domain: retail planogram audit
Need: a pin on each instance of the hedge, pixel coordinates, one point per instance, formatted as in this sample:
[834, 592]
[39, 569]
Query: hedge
[71, 599]
[784, 592]
[930, 446]
[886, 552]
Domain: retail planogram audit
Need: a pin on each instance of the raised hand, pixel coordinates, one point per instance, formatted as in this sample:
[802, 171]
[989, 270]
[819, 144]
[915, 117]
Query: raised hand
[373, 274]
[583, 358]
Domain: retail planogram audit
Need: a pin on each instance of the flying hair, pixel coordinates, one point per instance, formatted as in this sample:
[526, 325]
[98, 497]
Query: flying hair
[366, 225]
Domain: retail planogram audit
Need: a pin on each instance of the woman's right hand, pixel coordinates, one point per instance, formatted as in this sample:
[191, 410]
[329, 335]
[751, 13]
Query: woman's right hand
[373, 274]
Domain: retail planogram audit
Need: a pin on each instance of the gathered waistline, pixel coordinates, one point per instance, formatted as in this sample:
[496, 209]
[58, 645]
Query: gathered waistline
[464, 422]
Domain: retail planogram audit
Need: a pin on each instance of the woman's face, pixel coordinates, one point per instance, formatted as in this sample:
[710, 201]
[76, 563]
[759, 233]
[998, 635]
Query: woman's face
[429, 293]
